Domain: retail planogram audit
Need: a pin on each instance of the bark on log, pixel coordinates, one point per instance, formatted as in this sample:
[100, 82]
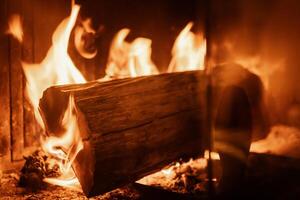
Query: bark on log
[131, 127]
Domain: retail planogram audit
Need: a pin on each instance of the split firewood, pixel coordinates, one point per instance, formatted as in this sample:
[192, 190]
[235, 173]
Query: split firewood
[131, 127]
[135, 126]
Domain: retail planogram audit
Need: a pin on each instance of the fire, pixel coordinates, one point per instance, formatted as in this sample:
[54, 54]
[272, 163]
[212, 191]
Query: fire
[213, 155]
[188, 52]
[57, 68]
[130, 59]
[134, 59]
[15, 27]
[126, 59]
[66, 148]
[81, 33]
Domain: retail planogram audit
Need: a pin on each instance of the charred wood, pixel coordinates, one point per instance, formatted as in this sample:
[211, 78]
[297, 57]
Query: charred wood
[130, 127]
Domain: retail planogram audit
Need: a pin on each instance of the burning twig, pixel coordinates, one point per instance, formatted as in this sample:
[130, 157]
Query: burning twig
[37, 167]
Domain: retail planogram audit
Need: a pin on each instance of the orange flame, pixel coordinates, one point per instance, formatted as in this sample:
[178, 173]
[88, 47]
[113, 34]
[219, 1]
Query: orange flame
[15, 27]
[130, 59]
[56, 68]
[66, 148]
[80, 32]
[188, 51]
[125, 60]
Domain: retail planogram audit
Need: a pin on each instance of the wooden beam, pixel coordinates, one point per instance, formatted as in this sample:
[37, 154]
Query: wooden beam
[131, 127]
[31, 128]
[16, 81]
[5, 146]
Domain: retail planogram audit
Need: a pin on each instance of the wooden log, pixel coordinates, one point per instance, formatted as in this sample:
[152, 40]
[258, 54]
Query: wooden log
[131, 127]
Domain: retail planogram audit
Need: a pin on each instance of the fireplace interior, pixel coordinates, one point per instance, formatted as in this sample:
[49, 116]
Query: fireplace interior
[169, 99]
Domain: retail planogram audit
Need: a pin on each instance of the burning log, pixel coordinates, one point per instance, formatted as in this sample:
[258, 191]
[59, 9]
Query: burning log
[130, 127]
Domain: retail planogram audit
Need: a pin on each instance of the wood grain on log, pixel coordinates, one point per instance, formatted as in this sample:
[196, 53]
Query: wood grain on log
[131, 127]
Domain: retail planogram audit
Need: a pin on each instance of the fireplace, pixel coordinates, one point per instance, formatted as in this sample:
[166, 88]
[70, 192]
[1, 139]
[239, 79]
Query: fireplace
[113, 91]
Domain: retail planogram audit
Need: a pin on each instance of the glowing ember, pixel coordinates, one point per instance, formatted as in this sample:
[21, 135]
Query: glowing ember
[188, 51]
[282, 140]
[130, 59]
[65, 148]
[178, 176]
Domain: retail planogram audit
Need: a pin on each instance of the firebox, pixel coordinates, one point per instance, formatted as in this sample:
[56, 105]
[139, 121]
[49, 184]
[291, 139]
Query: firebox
[128, 99]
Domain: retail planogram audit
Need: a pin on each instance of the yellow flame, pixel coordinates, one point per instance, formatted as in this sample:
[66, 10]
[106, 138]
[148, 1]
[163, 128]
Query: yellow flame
[130, 59]
[80, 32]
[57, 68]
[188, 52]
[213, 155]
[125, 60]
[15, 27]
[65, 148]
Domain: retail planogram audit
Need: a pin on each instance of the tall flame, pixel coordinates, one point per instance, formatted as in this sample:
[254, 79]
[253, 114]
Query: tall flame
[65, 148]
[130, 59]
[57, 68]
[126, 59]
[188, 52]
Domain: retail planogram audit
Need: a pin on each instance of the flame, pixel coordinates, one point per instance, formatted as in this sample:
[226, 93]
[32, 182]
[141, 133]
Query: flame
[80, 33]
[188, 52]
[15, 27]
[126, 59]
[213, 155]
[65, 148]
[130, 59]
[57, 68]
